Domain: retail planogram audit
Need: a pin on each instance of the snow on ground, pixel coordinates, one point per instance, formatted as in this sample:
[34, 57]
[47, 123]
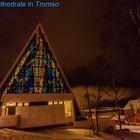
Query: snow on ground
[132, 128]
[127, 135]
[65, 134]
[9, 134]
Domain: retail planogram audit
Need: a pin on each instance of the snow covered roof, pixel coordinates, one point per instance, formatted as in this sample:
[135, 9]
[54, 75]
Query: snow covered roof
[135, 104]
[115, 118]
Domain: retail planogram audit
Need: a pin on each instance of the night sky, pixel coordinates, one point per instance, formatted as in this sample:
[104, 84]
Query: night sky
[73, 31]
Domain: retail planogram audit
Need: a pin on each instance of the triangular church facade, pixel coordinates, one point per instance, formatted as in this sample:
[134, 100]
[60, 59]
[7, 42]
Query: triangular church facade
[35, 92]
[37, 69]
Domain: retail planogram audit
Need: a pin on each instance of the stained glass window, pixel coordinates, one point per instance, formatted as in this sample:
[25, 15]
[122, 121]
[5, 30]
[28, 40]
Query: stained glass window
[37, 70]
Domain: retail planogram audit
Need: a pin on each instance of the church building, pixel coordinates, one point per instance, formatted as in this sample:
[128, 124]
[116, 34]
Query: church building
[35, 91]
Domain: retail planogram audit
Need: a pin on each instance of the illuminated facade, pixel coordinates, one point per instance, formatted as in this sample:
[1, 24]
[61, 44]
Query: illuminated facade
[36, 88]
[36, 71]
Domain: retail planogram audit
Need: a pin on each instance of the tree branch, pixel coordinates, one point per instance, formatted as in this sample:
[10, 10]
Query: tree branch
[122, 93]
[108, 93]
[132, 16]
[138, 11]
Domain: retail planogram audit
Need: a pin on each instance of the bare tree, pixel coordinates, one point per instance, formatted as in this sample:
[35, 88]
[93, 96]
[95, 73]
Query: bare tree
[83, 76]
[90, 111]
[117, 94]
[100, 68]
[134, 12]
[115, 90]
[97, 110]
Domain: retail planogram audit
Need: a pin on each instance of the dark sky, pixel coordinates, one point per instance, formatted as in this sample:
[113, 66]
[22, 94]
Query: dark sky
[73, 31]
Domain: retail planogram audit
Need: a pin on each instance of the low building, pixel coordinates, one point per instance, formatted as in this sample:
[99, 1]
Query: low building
[132, 111]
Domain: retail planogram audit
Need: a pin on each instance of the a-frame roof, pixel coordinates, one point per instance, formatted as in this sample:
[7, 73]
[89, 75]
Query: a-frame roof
[36, 69]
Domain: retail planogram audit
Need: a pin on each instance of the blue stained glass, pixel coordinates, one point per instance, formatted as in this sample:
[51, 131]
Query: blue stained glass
[57, 87]
[52, 73]
[36, 71]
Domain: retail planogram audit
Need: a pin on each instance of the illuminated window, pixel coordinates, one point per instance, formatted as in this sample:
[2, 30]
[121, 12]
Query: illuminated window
[6, 111]
[20, 104]
[26, 104]
[50, 103]
[11, 104]
[61, 102]
[55, 102]
[68, 108]
[3, 107]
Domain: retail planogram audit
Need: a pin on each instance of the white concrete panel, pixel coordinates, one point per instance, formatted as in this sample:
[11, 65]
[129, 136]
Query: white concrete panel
[34, 116]
[8, 121]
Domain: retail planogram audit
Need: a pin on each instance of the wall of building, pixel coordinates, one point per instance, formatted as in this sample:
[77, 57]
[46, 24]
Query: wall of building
[36, 97]
[35, 116]
[32, 112]
[8, 121]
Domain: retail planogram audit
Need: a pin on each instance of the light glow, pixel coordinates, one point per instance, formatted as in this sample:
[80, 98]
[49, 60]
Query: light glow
[68, 108]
